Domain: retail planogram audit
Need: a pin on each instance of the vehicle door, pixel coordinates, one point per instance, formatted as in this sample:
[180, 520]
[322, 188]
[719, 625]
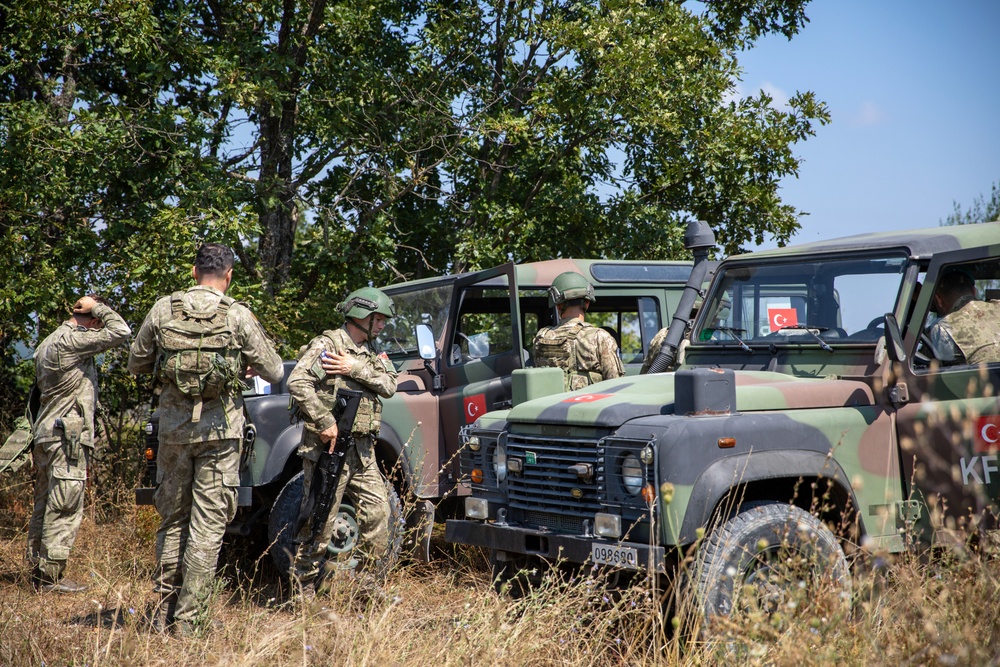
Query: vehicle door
[949, 427]
[482, 347]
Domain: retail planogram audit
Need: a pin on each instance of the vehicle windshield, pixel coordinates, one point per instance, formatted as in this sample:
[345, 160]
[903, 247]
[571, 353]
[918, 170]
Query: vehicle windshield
[821, 302]
[428, 305]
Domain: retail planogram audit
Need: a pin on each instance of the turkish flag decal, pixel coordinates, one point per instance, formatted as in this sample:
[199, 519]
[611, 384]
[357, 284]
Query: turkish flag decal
[475, 407]
[781, 317]
[986, 439]
[585, 398]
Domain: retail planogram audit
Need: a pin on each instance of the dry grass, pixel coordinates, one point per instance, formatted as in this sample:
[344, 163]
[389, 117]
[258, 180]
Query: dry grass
[446, 613]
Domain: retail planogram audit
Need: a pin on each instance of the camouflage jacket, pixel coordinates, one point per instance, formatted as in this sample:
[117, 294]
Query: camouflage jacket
[970, 334]
[587, 354]
[315, 391]
[655, 345]
[67, 375]
[221, 418]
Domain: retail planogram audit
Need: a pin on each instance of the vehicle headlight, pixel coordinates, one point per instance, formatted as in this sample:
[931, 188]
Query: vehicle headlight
[500, 458]
[632, 474]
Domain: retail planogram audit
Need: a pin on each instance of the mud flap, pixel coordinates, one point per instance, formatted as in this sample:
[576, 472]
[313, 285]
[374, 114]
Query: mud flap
[420, 524]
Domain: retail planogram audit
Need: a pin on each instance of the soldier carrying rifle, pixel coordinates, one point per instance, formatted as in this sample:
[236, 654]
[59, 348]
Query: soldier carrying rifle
[344, 358]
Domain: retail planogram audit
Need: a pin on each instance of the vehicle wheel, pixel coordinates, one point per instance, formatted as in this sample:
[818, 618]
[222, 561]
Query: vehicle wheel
[285, 513]
[770, 558]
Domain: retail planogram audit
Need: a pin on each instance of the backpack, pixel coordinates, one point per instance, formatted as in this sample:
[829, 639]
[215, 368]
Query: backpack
[14, 452]
[197, 354]
[556, 346]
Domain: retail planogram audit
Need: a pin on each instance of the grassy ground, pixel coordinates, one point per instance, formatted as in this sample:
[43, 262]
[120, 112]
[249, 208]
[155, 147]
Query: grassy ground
[446, 613]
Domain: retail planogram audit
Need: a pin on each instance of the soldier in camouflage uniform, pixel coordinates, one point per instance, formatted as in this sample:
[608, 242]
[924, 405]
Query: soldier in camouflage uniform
[586, 353]
[200, 431]
[346, 357]
[969, 330]
[63, 434]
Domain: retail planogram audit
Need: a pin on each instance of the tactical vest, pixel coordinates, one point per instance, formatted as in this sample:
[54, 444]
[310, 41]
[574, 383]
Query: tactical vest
[975, 328]
[556, 346]
[369, 417]
[197, 352]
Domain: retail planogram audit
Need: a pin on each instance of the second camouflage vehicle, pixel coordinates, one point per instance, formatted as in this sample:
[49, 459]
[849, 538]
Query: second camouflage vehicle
[477, 329]
[812, 415]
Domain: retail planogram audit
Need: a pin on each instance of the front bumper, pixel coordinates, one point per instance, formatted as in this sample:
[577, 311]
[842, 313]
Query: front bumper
[544, 544]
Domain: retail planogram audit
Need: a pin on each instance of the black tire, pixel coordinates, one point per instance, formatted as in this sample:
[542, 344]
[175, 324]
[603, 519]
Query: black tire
[285, 513]
[765, 557]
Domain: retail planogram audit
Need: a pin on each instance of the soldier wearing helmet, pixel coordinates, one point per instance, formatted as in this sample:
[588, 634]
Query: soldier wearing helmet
[586, 353]
[346, 357]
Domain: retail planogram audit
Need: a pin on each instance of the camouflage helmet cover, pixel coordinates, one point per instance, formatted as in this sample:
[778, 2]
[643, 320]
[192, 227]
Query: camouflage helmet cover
[362, 302]
[568, 286]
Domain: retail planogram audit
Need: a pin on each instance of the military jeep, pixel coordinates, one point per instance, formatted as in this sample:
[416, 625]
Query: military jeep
[477, 329]
[810, 416]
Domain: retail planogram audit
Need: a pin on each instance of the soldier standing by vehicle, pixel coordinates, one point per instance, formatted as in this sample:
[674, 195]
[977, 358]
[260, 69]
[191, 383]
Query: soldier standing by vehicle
[63, 434]
[198, 343]
[586, 353]
[347, 357]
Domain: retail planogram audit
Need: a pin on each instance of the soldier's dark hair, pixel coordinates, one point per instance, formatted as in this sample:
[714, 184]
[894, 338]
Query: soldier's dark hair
[574, 302]
[99, 299]
[956, 281]
[213, 259]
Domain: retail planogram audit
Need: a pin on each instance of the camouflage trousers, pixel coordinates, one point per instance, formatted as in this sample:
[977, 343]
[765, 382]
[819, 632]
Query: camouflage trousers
[58, 507]
[195, 498]
[365, 485]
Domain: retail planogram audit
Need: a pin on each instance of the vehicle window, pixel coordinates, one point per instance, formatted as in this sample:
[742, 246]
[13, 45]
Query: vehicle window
[962, 327]
[839, 300]
[427, 305]
[621, 318]
[484, 325]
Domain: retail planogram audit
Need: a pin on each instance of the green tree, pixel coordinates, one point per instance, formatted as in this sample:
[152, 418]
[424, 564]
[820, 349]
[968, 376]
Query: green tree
[981, 210]
[333, 143]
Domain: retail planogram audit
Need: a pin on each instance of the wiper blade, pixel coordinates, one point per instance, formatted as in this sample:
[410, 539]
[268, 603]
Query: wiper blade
[732, 332]
[812, 331]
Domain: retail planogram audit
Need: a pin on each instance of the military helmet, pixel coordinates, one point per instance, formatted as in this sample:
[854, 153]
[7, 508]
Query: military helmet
[568, 286]
[360, 303]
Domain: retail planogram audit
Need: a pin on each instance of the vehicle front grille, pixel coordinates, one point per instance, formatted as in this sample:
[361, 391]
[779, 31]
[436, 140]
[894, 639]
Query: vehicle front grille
[551, 494]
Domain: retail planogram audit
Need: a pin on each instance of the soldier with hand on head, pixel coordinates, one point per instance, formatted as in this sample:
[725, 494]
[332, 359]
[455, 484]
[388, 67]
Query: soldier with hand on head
[347, 357]
[63, 434]
[199, 344]
[586, 353]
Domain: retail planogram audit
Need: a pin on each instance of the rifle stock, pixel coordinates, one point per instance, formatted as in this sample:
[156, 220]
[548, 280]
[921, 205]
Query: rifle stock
[326, 475]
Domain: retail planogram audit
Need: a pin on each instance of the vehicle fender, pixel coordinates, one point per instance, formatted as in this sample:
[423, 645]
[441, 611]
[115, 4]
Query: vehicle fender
[721, 476]
[389, 450]
[282, 449]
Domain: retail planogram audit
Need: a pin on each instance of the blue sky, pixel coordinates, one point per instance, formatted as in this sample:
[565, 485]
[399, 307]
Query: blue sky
[913, 87]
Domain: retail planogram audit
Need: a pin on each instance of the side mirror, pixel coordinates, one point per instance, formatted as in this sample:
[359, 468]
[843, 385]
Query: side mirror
[894, 339]
[425, 342]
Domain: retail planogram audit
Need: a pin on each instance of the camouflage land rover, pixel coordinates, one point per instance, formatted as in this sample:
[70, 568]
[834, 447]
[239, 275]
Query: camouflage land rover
[815, 411]
[475, 329]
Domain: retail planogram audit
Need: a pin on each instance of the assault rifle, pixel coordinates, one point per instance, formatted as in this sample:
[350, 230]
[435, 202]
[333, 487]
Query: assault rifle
[326, 474]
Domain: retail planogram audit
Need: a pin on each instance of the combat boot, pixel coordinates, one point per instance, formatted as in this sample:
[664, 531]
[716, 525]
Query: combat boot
[45, 584]
[162, 615]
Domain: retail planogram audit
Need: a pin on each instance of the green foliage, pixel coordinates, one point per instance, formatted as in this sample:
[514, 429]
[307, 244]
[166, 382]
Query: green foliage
[981, 210]
[336, 144]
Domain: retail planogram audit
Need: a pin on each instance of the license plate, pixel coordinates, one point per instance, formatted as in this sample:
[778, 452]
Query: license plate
[609, 554]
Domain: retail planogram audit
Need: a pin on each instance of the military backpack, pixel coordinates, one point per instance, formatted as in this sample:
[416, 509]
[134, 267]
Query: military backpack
[556, 346]
[197, 352]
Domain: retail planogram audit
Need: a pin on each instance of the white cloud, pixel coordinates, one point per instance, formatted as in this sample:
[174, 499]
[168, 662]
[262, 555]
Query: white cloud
[869, 114]
[779, 96]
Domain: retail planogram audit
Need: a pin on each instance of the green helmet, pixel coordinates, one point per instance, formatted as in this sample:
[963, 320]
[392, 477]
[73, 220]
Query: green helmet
[360, 303]
[568, 286]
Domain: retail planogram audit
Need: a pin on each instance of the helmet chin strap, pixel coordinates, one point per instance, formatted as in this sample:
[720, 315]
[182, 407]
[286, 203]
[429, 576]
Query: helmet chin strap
[367, 332]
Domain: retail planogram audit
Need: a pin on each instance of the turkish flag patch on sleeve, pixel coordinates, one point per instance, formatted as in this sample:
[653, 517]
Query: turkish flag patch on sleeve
[986, 439]
[475, 407]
